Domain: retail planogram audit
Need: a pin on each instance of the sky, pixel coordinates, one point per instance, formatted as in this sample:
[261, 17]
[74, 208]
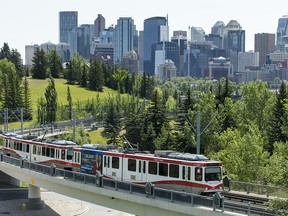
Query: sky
[37, 21]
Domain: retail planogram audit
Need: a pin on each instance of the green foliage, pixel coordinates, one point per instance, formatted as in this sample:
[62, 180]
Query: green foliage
[51, 101]
[243, 155]
[96, 77]
[40, 64]
[54, 63]
[81, 136]
[276, 121]
[277, 168]
[278, 204]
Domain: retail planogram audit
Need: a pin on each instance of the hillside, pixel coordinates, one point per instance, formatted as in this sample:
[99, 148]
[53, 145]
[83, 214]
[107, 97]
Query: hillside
[37, 90]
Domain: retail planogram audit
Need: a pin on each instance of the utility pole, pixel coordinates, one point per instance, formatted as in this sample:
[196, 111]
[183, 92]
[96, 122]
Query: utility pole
[198, 129]
[74, 125]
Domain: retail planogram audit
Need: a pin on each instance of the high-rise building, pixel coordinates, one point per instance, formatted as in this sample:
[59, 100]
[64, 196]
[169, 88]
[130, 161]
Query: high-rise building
[247, 59]
[140, 50]
[197, 34]
[264, 43]
[282, 34]
[29, 53]
[218, 28]
[163, 51]
[123, 37]
[180, 38]
[152, 34]
[234, 37]
[68, 20]
[99, 25]
[80, 40]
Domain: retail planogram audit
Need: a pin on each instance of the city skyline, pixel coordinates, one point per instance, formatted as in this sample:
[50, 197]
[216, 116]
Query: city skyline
[36, 23]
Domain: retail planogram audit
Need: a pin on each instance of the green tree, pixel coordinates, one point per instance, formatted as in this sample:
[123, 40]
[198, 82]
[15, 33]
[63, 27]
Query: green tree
[69, 101]
[156, 111]
[243, 155]
[276, 121]
[112, 121]
[40, 64]
[81, 135]
[120, 75]
[51, 101]
[277, 169]
[96, 77]
[27, 99]
[54, 63]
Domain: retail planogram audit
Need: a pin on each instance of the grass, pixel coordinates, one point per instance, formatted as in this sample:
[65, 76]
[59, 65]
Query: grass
[97, 136]
[38, 87]
[79, 94]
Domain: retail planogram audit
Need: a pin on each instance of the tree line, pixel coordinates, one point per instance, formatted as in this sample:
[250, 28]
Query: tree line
[243, 125]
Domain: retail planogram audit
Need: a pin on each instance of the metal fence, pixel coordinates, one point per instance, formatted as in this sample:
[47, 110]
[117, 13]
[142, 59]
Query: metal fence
[148, 190]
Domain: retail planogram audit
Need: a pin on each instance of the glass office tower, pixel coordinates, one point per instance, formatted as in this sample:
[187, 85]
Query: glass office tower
[68, 20]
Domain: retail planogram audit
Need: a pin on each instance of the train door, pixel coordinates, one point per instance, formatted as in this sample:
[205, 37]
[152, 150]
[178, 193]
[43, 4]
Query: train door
[141, 174]
[106, 165]
[186, 173]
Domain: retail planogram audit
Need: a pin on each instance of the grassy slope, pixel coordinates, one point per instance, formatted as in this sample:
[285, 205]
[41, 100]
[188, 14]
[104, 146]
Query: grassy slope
[37, 90]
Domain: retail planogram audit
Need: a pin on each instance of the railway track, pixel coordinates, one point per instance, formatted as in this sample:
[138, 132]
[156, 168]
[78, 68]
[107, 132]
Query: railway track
[245, 197]
[251, 205]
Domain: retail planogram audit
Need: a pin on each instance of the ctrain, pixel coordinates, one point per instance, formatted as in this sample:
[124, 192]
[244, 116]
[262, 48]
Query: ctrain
[187, 172]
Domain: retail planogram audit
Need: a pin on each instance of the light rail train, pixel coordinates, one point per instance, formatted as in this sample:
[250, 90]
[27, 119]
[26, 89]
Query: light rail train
[167, 169]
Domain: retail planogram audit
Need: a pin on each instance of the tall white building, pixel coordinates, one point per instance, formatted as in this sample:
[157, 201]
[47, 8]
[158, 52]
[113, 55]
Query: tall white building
[29, 53]
[247, 59]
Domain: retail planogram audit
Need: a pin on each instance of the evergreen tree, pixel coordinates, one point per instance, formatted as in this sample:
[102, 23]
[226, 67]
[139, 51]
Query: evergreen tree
[51, 101]
[69, 100]
[14, 57]
[156, 111]
[96, 77]
[148, 136]
[27, 99]
[84, 76]
[134, 125]
[143, 86]
[54, 63]
[119, 76]
[113, 126]
[275, 132]
[40, 64]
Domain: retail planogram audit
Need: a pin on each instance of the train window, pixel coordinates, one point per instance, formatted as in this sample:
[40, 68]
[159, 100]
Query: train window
[34, 149]
[39, 150]
[47, 152]
[198, 174]
[144, 166]
[20, 146]
[27, 148]
[213, 174]
[189, 173]
[152, 168]
[63, 154]
[139, 166]
[52, 151]
[115, 162]
[174, 171]
[69, 154]
[132, 165]
[163, 169]
[43, 151]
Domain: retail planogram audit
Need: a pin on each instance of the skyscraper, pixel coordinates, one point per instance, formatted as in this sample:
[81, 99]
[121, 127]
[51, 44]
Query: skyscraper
[264, 44]
[234, 37]
[80, 40]
[67, 21]
[99, 25]
[282, 33]
[152, 35]
[123, 37]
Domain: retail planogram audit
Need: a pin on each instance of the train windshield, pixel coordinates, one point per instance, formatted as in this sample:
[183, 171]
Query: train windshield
[213, 174]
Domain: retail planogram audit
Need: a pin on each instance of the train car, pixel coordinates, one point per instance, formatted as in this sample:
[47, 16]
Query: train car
[171, 170]
[167, 169]
[61, 153]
